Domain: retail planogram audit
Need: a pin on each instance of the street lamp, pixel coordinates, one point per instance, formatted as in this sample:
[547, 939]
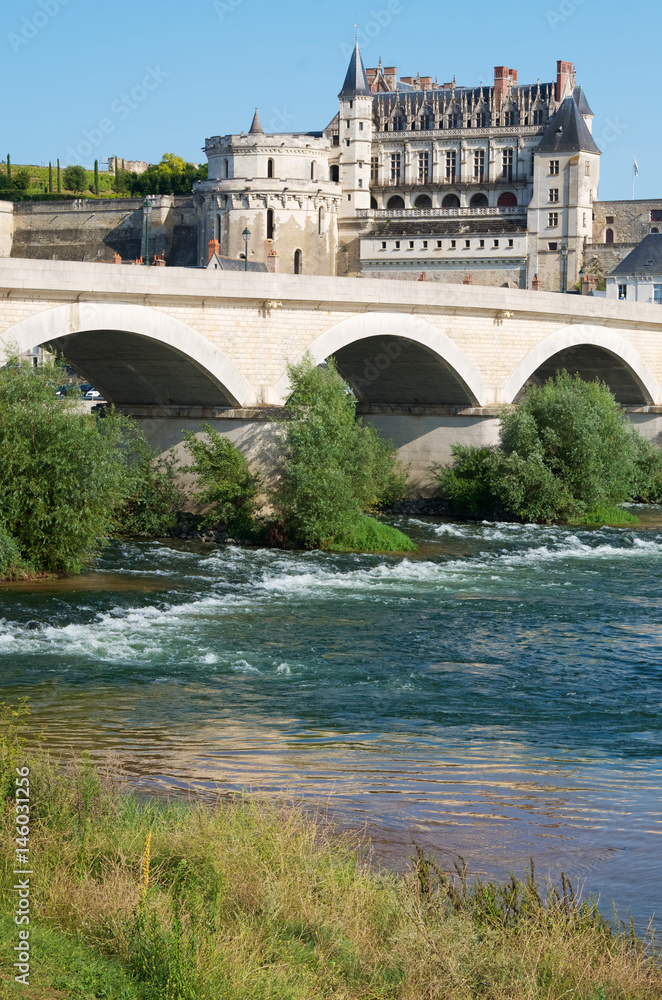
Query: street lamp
[564, 254]
[147, 209]
[247, 235]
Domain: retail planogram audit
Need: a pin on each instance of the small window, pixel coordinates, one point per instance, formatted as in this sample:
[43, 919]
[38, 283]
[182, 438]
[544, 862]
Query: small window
[656, 215]
[584, 223]
[348, 141]
[609, 236]
[554, 168]
[553, 220]
[622, 291]
[587, 168]
[425, 244]
[411, 244]
[347, 122]
[496, 244]
[361, 164]
[511, 244]
[298, 262]
[270, 224]
[467, 244]
[360, 126]
[440, 245]
[360, 182]
[335, 173]
[553, 246]
[453, 245]
[349, 197]
[610, 220]
[481, 244]
[649, 262]
[383, 244]
[655, 230]
[397, 244]
[554, 194]
[270, 168]
[312, 171]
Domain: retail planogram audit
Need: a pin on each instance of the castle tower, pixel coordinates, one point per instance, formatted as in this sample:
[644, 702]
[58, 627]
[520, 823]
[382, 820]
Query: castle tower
[566, 174]
[355, 137]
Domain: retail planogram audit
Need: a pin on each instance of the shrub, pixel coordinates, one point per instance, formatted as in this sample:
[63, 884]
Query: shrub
[153, 492]
[371, 535]
[75, 179]
[568, 450]
[336, 468]
[229, 489]
[11, 564]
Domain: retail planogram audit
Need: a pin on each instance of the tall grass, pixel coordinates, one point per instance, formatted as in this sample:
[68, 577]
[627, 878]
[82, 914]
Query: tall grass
[249, 899]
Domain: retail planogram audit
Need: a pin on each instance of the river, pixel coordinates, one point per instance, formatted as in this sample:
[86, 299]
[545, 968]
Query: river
[497, 694]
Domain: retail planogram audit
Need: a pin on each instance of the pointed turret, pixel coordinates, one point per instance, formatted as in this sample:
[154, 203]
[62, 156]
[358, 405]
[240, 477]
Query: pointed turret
[256, 127]
[567, 132]
[356, 81]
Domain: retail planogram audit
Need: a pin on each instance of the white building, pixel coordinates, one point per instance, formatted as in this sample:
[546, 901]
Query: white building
[489, 184]
[638, 278]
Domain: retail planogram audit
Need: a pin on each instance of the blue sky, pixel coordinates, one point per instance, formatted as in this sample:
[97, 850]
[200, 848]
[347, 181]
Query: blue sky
[146, 77]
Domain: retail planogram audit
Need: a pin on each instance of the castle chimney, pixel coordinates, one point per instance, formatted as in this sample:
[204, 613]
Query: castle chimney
[565, 72]
[214, 247]
[117, 259]
[272, 262]
[536, 284]
[503, 76]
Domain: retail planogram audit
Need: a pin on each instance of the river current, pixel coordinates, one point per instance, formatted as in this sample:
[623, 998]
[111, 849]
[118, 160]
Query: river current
[497, 694]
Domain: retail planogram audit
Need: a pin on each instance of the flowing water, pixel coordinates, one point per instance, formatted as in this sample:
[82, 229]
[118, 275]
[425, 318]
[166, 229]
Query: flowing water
[496, 694]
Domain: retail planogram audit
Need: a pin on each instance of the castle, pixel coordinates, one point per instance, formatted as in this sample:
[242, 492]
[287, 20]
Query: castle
[489, 185]
[493, 185]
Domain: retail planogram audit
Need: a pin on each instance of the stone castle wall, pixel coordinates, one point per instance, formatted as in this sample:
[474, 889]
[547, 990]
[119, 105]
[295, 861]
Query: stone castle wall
[96, 230]
[6, 228]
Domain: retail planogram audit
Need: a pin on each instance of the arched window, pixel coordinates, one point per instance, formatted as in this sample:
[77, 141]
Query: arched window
[507, 200]
[335, 173]
[423, 201]
[479, 201]
[270, 168]
[373, 202]
[609, 236]
[270, 224]
[225, 171]
[395, 204]
[312, 171]
[217, 228]
[320, 220]
[298, 262]
[451, 201]
[655, 230]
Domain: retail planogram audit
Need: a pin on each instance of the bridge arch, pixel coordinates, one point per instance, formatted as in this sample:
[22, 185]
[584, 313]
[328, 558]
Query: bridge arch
[595, 350]
[134, 354]
[396, 358]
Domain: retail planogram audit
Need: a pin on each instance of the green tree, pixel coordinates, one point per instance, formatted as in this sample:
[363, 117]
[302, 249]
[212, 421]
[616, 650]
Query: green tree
[50, 178]
[59, 179]
[21, 179]
[75, 178]
[336, 469]
[69, 479]
[228, 488]
[96, 178]
[566, 451]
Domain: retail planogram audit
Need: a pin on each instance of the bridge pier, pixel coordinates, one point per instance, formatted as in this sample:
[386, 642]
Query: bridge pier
[423, 434]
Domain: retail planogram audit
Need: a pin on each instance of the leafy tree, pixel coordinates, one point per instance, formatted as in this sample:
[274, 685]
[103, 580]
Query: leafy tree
[229, 489]
[75, 178]
[68, 479]
[567, 450]
[336, 468]
[11, 563]
[21, 179]
[171, 176]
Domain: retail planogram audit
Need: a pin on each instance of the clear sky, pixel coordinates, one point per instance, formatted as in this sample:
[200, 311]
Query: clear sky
[83, 79]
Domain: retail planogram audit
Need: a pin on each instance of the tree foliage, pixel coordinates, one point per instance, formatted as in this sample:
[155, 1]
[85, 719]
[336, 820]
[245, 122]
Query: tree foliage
[75, 179]
[335, 467]
[567, 450]
[69, 479]
[171, 176]
[228, 488]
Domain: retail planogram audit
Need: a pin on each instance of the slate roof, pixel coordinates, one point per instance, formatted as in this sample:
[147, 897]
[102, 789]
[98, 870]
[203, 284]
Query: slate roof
[650, 249]
[230, 264]
[256, 127]
[581, 102]
[356, 81]
[567, 132]
[434, 227]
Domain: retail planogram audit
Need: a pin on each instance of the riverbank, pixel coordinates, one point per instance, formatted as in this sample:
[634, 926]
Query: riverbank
[238, 900]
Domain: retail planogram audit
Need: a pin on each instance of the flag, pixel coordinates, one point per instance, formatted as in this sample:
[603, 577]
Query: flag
[635, 165]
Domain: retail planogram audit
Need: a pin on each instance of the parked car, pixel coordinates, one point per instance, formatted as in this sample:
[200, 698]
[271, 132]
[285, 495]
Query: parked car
[92, 394]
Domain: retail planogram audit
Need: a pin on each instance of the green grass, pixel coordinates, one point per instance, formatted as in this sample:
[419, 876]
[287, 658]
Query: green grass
[39, 181]
[252, 900]
[371, 535]
[608, 516]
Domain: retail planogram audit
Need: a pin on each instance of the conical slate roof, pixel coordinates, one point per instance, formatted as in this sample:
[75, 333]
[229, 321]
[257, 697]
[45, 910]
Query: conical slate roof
[582, 103]
[567, 132]
[256, 127]
[356, 81]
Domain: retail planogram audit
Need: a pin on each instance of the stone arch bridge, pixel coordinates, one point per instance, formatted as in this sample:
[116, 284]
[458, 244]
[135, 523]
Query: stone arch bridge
[430, 363]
